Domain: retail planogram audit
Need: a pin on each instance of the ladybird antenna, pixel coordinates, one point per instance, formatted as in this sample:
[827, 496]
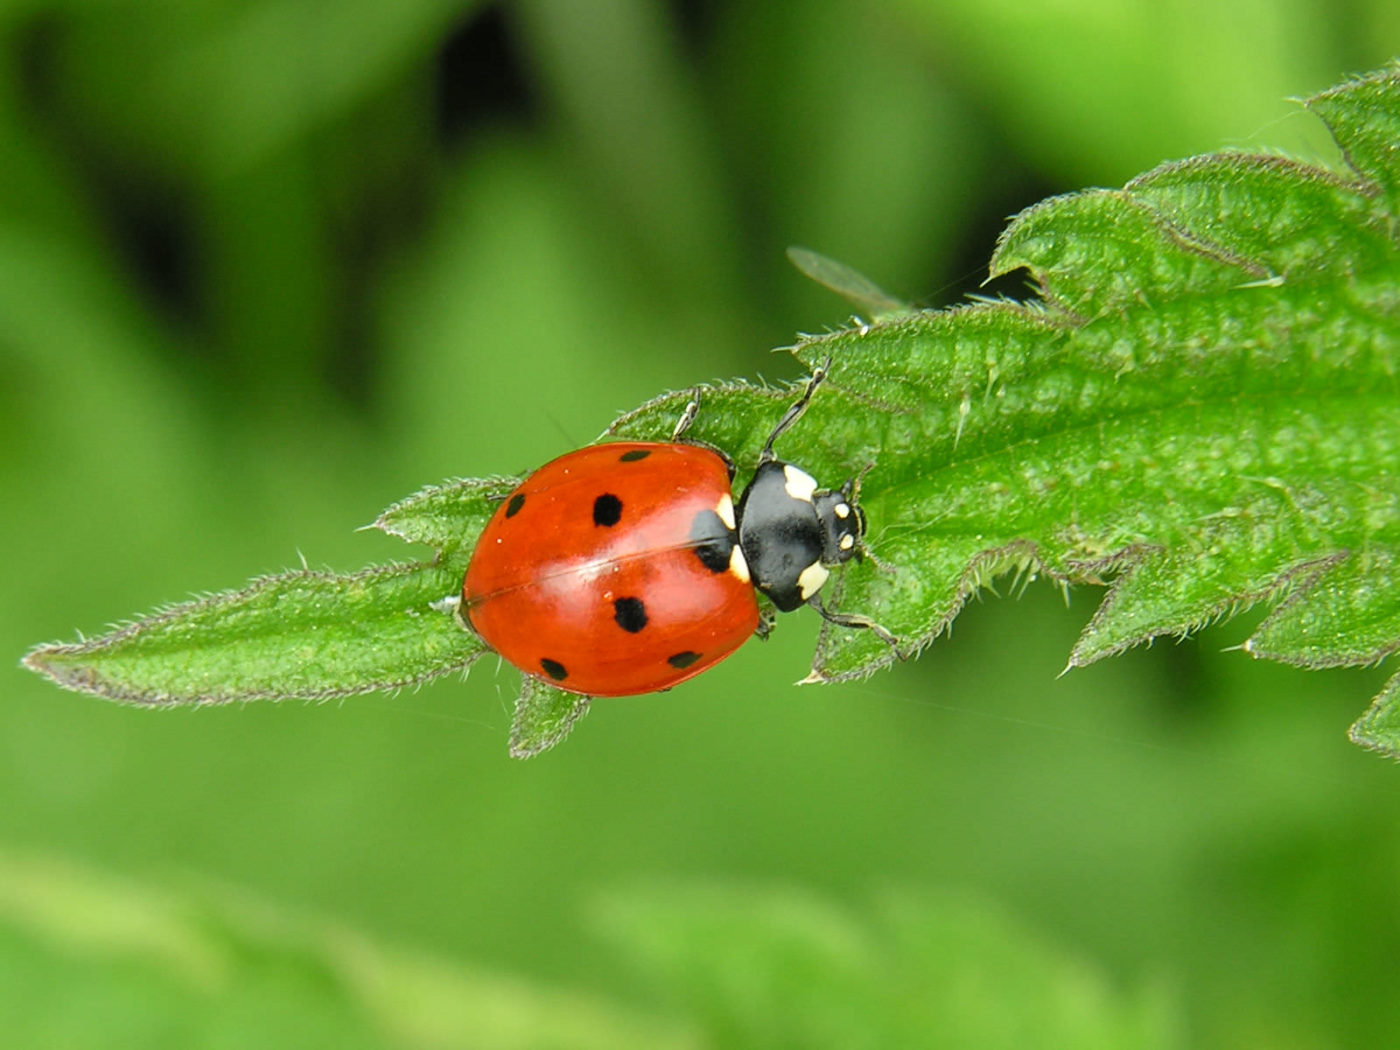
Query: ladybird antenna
[851, 489]
[795, 410]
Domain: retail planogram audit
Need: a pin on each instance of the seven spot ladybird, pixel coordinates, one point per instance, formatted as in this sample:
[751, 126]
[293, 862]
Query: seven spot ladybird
[627, 568]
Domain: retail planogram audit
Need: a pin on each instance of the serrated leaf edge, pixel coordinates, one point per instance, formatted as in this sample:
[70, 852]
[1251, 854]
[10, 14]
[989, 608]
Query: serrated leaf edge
[1357, 734]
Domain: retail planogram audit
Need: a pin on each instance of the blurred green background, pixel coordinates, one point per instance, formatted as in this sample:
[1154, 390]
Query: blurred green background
[267, 267]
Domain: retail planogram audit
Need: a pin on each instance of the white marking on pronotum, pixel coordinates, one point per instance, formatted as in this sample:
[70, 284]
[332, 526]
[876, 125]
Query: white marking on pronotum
[842, 510]
[725, 509]
[737, 564]
[799, 484]
[811, 580]
[847, 542]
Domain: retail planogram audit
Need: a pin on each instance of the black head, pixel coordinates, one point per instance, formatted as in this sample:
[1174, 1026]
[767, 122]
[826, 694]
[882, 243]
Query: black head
[791, 531]
[843, 525]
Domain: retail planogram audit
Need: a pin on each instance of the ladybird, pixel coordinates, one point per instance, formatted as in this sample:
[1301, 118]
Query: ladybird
[627, 567]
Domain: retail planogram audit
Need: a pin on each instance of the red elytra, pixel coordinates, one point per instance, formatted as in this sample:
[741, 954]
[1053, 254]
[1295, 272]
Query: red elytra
[611, 571]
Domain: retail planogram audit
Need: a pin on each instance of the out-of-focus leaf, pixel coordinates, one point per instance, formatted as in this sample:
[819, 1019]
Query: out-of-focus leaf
[223, 87]
[1134, 76]
[784, 969]
[92, 960]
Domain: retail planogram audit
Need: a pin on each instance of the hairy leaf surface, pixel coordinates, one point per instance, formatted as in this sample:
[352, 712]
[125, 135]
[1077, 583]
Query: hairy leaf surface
[1201, 409]
[301, 635]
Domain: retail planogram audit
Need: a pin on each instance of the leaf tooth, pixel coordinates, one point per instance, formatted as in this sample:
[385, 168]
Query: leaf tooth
[895, 596]
[442, 516]
[1379, 728]
[1101, 251]
[1278, 217]
[543, 716]
[1176, 592]
[1364, 118]
[1344, 610]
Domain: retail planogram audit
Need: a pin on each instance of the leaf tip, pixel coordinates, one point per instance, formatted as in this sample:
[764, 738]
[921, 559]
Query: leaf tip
[544, 716]
[48, 660]
[34, 659]
[385, 524]
[1361, 734]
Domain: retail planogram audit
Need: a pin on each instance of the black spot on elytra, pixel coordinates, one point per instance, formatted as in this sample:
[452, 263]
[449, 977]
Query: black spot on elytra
[607, 510]
[713, 541]
[630, 613]
[632, 455]
[680, 661]
[516, 502]
[554, 669]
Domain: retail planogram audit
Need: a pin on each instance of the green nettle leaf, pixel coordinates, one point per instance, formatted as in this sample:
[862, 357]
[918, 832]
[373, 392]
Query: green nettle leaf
[308, 635]
[1202, 411]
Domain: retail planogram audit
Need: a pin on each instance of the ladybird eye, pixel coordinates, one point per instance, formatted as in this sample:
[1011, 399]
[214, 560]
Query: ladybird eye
[607, 510]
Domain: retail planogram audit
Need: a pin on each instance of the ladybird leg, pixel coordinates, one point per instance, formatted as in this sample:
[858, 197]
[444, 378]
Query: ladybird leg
[857, 622]
[688, 414]
[692, 409]
[794, 412]
[500, 495]
[765, 624]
